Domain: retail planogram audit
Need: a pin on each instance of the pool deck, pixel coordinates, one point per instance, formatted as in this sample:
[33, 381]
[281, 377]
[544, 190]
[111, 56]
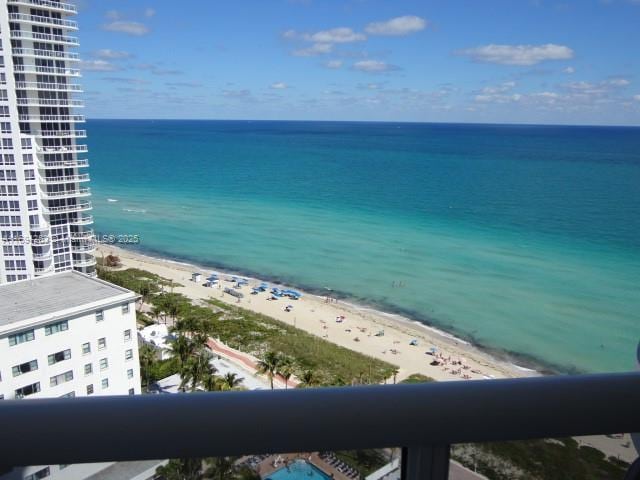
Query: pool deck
[267, 467]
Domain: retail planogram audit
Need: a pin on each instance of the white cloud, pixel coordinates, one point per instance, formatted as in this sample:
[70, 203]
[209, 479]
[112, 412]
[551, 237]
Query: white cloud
[618, 82]
[373, 66]
[236, 93]
[335, 35]
[502, 88]
[149, 12]
[130, 28]
[112, 54]
[569, 70]
[636, 98]
[397, 26]
[333, 64]
[517, 54]
[313, 50]
[98, 66]
[279, 86]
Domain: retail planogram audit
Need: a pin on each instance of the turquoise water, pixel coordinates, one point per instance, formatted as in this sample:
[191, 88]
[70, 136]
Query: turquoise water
[298, 470]
[524, 239]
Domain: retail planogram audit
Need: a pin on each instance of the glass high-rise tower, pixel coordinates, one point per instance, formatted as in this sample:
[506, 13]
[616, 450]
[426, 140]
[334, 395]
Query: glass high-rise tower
[44, 198]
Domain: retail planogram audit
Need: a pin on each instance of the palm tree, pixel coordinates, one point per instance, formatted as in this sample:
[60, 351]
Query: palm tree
[269, 365]
[307, 379]
[196, 370]
[285, 370]
[183, 348]
[230, 381]
[182, 469]
[220, 468]
[147, 357]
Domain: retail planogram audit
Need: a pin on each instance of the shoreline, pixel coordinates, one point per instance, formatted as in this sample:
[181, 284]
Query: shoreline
[521, 362]
[316, 316]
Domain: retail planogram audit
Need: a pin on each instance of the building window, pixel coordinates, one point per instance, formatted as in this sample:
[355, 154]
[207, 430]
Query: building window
[44, 473]
[25, 368]
[90, 389]
[59, 357]
[68, 395]
[28, 390]
[105, 383]
[88, 369]
[60, 379]
[130, 373]
[5, 127]
[99, 315]
[127, 335]
[102, 343]
[21, 337]
[86, 348]
[128, 355]
[56, 327]
[125, 308]
[132, 391]
[104, 364]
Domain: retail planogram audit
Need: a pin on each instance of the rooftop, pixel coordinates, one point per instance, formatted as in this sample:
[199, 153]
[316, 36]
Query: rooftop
[52, 294]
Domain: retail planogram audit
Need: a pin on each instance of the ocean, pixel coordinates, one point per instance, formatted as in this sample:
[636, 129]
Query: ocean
[524, 240]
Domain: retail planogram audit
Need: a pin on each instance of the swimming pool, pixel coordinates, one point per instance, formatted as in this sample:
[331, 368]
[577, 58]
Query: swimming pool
[298, 470]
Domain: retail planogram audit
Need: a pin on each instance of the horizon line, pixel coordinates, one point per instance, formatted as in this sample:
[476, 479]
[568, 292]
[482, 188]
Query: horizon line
[512, 124]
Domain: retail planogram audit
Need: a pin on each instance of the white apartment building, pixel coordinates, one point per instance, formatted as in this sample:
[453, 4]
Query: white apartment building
[66, 335]
[44, 224]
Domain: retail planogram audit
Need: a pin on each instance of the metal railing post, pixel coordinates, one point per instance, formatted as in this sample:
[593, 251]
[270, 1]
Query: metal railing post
[425, 463]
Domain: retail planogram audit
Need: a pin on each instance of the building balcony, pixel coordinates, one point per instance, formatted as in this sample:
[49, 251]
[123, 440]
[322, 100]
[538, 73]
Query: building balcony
[55, 6]
[49, 102]
[65, 149]
[39, 70]
[44, 37]
[39, 53]
[47, 21]
[88, 261]
[84, 177]
[88, 248]
[50, 87]
[63, 164]
[42, 255]
[425, 420]
[61, 134]
[79, 207]
[39, 227]
[52, 118]
[84, 220]
[44, 270]
[86, 235]
[78, 192]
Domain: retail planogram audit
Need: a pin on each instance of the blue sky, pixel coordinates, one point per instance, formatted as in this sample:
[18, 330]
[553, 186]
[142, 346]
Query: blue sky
[502, 61]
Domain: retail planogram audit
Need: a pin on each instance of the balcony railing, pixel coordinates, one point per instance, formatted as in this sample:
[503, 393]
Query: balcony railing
[57, 87]
[68, 72]
[37, 19]
[87, 262]
[64, 164]
[61, 149]
[78, 192]
[52, 118]
[426, 419]
[82, 235]
[63, 7]
[84, 220]
[49, 102]
[61, 133]
[44, 37]
[84, 177]
[69, 209]
[30, 52]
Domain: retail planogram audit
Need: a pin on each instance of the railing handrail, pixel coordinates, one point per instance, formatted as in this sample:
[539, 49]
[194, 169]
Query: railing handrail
[304, 420]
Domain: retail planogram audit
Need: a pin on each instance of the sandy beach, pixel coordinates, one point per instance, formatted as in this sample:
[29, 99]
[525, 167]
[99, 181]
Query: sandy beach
[314, 315]
[344, 324]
